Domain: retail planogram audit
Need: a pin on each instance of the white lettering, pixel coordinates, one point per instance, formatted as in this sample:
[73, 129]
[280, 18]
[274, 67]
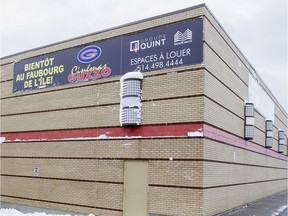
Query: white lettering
[147, 43]
[178, 53]
[141, 60]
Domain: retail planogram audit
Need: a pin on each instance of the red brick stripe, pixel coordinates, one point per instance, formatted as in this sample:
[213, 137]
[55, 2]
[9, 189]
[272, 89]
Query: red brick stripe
[145, 131]
[176, 130]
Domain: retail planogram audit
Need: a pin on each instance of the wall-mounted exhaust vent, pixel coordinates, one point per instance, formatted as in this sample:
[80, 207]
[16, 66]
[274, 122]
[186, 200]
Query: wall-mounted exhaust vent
[130, 94]
[281, 141]
[269, 133]
[249, 121]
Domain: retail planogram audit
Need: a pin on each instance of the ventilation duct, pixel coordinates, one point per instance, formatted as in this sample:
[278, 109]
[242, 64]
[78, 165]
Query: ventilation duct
[269, 133]
[249, 121]
[130, 94]
[281, 141]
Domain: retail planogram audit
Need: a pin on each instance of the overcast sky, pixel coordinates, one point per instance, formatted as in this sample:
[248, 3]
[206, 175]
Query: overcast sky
[257, 27]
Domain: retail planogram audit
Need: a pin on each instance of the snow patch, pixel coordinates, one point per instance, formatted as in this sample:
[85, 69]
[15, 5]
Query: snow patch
[29, 140]
[132, 75]
[126, 145]
[103, 136]
[2, 139]
[281, 209]
[195, 134]
[189, 175]
[14, 212]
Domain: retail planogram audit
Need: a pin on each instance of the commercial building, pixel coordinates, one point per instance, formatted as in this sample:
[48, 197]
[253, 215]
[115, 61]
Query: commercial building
[189, 129]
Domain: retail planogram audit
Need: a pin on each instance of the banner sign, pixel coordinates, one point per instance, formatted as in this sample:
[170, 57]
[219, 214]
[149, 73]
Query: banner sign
[169, 46]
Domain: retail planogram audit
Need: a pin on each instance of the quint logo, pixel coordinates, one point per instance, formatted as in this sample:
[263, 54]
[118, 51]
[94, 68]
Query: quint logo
[147, 43]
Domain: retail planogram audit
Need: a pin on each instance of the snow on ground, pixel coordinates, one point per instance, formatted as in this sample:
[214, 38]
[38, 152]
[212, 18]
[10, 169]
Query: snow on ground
[13, 212]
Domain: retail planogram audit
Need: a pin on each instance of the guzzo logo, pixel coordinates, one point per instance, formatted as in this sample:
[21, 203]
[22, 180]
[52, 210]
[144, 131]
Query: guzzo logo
[183, 38]
[147, 43]
[89, 54]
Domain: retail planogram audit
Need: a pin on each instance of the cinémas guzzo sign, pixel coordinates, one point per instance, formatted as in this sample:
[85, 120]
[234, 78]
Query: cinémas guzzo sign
[169, 46]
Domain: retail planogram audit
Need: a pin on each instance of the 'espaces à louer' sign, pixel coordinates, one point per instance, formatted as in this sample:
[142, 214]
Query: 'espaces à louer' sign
[168, 46]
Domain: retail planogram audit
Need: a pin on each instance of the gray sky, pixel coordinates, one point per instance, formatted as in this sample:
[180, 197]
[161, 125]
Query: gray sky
[257, 27]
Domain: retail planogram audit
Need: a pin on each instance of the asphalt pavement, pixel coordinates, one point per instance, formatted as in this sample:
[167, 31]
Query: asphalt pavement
[273, 205]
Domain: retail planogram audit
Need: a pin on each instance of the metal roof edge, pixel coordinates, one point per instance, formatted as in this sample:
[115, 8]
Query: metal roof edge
[108, 29]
